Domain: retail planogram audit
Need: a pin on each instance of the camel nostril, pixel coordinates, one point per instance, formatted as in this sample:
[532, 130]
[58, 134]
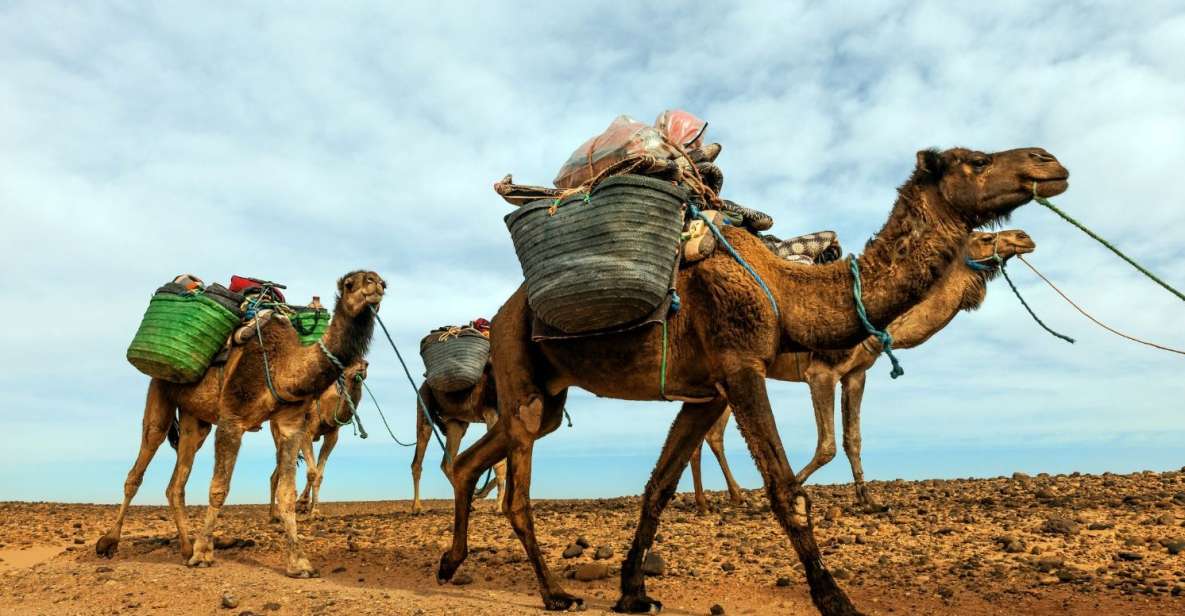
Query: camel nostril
[1042, 156]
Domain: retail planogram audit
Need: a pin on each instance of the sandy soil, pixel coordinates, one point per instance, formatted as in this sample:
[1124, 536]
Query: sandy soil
[1042, 545]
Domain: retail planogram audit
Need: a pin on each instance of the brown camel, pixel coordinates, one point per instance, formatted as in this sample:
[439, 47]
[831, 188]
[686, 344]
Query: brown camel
[962, 287]
[722, 342]
[325, 415]
[237, 399]
[452, 412]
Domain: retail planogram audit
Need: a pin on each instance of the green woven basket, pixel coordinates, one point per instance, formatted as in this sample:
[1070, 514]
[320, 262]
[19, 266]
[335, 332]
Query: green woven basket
[179, 335]
[310, 324]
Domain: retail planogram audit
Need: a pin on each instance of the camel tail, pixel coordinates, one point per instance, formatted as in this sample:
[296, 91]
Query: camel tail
[174, 434]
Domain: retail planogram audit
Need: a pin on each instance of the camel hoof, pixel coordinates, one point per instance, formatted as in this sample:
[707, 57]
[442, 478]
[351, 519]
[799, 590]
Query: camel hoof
[563, 602]
[274, 520]
[107, 546]
[637, 604]
[872, 507]
[417, 511]
[447, 568]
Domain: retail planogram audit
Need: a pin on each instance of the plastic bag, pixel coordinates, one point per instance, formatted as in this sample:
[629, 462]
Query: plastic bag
[625, 138]
[681, 128]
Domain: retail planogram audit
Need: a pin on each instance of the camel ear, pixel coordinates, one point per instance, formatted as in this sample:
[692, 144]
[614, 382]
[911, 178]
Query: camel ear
[930, 163]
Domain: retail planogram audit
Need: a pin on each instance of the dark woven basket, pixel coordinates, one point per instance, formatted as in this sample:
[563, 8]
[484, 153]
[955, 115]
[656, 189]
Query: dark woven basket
[604, 263]
[456, 362]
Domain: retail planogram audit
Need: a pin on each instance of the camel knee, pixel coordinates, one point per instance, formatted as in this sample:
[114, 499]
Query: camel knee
[175, 494]
[826, 453]
[217, 496]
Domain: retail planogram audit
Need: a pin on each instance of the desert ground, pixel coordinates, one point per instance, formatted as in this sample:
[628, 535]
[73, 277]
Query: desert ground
[1066, 544]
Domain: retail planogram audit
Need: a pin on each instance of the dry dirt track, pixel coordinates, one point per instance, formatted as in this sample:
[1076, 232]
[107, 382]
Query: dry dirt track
[1041, 545]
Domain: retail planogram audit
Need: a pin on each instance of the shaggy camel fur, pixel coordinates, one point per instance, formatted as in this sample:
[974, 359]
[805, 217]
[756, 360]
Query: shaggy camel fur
[960, 288]
[452, 412]
[720, 346]
[237, 399]
[324, 417]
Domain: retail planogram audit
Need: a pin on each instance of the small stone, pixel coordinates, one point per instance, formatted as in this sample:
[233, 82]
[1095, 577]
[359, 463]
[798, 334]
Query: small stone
[462, 579]
[1014, 547]
[716, 610]
[841, 574]
[1175, 547]
[1129, 556]
[1018, 476]
[603, 553]
[588, 572]
[1100, 526]
[1050, 563]
[573, 550]
[1059, 525]
[103, 569]
[728, 567]
[229, 601]
[783, 581]
[271, 606]
[1048, 580]
[833, 513]
[582, 542]
[338, 569]
[654, 565]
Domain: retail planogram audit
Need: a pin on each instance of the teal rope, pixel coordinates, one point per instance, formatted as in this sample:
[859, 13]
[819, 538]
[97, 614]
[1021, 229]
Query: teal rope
[412, 382]
[720, 236]
[267, 369]
[383, 416]
[884, 337]
[1015, 291]
[1055, 210]
[342, 391]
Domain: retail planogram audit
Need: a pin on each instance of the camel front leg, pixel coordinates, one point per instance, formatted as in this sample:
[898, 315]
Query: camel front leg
[423, 435]
[491, 417]
[467, 468]
[533, 420]
[715, 440]
[291, 424]
[853, 396]
[158, 414]
[304, 502]
[822, 385]
[277, 440]
[685, 437]
[788, 500]
[192, 433]
[228, 438]
[701, 500]
[454, 431]
[328, 442]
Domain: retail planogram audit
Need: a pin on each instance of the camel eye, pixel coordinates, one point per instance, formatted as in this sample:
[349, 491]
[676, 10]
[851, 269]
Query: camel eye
[979, 164]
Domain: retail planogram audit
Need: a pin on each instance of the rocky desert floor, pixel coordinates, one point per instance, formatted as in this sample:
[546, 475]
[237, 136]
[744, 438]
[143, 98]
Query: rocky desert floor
[1067, 544]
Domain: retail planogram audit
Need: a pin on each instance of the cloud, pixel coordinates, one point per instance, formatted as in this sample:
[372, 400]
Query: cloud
[298, 143]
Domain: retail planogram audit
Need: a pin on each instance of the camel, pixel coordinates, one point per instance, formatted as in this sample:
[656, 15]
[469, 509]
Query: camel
[452, 412]
[720, 346]
[237, 398]
[962, 287]
[325, 416]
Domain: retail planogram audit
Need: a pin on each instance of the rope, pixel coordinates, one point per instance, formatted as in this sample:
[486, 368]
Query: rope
[1016, 292]
[662, 374]
[720, 236]
[420, 401]
[383, 416]
[267, 369]
[343, 392]
[885, 339]
[1055, 210]
[1096, 321]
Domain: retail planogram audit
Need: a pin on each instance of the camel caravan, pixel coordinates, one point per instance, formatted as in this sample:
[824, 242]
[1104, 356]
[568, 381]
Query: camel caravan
[640, 282]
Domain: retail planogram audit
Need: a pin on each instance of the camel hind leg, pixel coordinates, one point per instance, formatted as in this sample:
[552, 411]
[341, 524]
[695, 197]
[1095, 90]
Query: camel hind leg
[499, 482]
[328, 442]
[158, 415]
[853, 395]
[701, 501]
[192, 434]
[685, 436]
[228, 438]
[273, 513]
[788, 500]
[822, 385]
[423, 436]
[715, 440]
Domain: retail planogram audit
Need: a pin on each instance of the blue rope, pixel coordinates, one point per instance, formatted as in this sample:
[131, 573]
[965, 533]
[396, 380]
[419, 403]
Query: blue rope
[342, 392]
[1016, 292]
[420, 401]
[720, 236]
[977, 266]
[383, 416]
[884, 337]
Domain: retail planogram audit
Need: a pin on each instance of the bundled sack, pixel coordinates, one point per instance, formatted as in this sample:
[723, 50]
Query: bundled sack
[625, 139]
[601, 261]
[455, 357]
[182, 330]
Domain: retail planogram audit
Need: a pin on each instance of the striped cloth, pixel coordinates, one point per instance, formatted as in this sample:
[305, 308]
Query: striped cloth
[810, 249]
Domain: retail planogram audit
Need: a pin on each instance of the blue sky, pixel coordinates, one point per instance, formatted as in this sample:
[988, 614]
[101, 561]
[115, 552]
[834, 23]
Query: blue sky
[138, 141]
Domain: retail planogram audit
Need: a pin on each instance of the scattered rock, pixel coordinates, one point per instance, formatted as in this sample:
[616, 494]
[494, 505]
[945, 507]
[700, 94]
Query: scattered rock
[603, 553]
[103, 569]
[1176, 546]
[573, 550]
[783, 581]
[1059, 525]
[1018, 476]
[1100, 526]
[1129, 556]
[229, 601]
[338, 569]
[588, 572]
[654, 565]
[582, 542]
[833, 513]
[462, 579]
[728, 567]
[716, 610]
[271, 606]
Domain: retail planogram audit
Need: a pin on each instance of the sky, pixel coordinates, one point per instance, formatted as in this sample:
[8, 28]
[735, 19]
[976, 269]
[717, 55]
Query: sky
[298, 142]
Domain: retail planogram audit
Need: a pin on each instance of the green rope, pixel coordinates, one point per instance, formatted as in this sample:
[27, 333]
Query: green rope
[1055, 210]
[267, 369]
[419, 401]
[884, 337]
[342, 391]
[1000, 265]
[662, 375]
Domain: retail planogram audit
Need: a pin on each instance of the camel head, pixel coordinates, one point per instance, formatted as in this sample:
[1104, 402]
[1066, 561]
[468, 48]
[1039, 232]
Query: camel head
[358, 291]
[985, 188]
[982, 245]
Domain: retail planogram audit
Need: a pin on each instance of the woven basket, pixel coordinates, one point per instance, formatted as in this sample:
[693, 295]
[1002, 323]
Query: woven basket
[456, 362]
[601, 264]
[310, 323]
[179, 335]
